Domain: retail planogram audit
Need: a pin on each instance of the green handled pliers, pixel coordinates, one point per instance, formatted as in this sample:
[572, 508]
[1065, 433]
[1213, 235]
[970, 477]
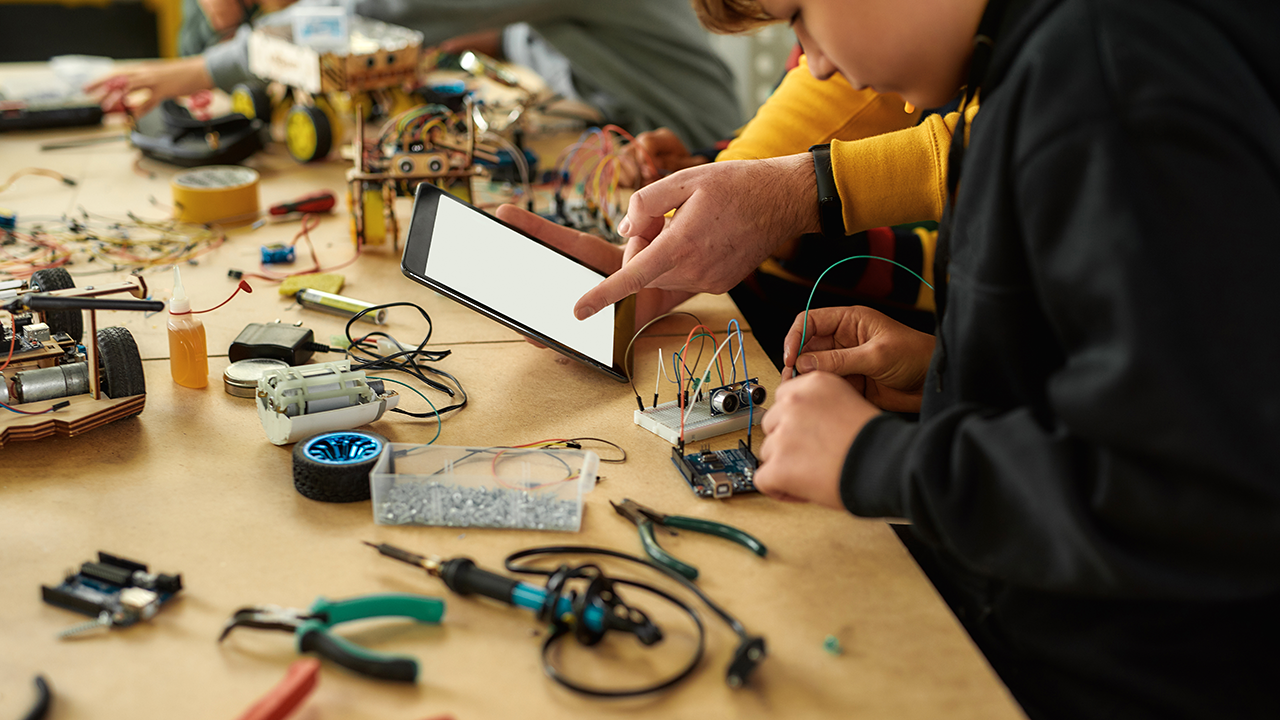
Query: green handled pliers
[645, 518]
[311, 628]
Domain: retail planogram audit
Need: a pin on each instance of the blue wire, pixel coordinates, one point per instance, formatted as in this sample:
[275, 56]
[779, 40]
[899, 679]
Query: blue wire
[804, 329]
[751, 408]
[439, 421]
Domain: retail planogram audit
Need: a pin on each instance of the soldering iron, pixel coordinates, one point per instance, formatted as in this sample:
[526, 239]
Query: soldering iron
[589, 615]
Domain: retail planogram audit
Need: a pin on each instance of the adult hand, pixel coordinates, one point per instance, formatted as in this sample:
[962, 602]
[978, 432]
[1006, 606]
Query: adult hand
[654, 154]
[159, 80]
[731, 216]
[881, 358]
[595, 252]
[808, 430]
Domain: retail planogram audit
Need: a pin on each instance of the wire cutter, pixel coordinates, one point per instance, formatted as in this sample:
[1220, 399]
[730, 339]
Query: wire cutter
[645, 518]
[312, 629]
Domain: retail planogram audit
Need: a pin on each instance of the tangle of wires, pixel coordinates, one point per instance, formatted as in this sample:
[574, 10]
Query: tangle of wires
[131, 244]
[749, 653]
[593, 167]
[309, 223]
[688, 384]
[365, 354]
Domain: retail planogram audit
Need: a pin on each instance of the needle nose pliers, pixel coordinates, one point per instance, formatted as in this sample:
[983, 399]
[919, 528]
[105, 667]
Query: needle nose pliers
[645, 518]
[311, 628]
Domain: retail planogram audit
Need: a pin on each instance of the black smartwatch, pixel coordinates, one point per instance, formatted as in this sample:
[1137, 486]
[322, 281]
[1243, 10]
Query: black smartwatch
[830, 210]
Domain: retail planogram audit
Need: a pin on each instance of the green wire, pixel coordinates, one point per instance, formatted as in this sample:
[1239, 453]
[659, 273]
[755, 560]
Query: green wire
[424, 397]
[713, 343]
[805, 328]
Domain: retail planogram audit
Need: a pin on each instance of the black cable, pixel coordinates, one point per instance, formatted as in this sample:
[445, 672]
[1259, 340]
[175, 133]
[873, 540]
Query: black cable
[750, 648]
[579, 440]
[410, 362]
[44, 698]
[599, 587]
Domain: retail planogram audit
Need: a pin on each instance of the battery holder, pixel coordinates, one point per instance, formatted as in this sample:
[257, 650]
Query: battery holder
[277, 341]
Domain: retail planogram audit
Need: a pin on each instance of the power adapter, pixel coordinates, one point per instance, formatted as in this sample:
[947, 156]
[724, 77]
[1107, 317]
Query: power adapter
[278, 341]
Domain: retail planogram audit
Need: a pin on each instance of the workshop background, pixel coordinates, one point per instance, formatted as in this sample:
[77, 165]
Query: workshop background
[131, 29]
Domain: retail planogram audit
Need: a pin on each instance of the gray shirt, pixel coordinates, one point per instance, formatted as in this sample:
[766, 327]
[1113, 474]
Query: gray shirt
[648, 59]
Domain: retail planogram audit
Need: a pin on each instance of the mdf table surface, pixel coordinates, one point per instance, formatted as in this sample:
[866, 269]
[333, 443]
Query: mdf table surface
[193, 486]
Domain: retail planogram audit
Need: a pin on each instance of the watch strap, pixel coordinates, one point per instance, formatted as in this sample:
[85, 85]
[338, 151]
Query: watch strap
[830, 209]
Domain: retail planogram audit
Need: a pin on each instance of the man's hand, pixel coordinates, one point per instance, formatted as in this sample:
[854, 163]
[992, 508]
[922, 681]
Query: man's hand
[882, 359]
[654, 154]
[160, 80]
[731, 216]
[808, 430]
[595, 252]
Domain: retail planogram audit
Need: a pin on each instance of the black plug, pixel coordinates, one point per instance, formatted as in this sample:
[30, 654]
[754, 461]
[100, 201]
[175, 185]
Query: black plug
[745, 659]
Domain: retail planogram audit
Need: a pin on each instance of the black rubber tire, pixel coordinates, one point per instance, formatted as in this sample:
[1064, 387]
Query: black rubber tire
[120, 364]
[334, 466]
[70, 322]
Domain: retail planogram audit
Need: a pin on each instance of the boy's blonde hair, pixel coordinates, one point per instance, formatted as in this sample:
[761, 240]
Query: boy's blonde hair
[731, 16]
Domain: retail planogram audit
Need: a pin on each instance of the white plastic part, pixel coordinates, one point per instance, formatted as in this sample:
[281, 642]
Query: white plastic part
[298, 402]
[664, 421]
[179, 303]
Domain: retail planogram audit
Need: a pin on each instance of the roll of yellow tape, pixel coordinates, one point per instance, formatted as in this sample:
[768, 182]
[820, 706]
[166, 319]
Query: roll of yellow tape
[222, 194]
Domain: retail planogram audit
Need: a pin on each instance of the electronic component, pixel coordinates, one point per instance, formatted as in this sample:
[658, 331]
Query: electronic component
[116, 591]
[276, 341]
[277, 253]
[295, 403]
[340, 305]
[716, 412]
[720, 473]
[241, 377]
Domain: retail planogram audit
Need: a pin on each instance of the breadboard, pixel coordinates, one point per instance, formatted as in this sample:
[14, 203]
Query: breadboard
[664, 421]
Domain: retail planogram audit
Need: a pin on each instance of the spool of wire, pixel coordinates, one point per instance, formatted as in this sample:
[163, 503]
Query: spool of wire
[340, 305]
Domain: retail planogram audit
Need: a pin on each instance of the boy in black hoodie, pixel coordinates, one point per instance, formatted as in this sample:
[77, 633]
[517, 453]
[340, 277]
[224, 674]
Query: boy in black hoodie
[1094, 477]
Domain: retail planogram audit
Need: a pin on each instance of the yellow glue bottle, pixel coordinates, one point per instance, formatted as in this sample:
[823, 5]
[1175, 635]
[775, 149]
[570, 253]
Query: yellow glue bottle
[188, 353]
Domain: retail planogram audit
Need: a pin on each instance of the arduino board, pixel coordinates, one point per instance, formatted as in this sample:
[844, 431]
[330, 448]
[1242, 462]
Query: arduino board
[116, 591]
[720, 473]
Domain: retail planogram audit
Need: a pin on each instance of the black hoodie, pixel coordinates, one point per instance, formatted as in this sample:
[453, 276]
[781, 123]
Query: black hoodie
[1099, 455]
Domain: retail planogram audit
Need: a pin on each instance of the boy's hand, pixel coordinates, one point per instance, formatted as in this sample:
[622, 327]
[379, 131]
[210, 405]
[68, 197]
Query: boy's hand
[654, 154]
[160, 80]
[732, 215]
[595, 252]
[882, 359]
[808, 430]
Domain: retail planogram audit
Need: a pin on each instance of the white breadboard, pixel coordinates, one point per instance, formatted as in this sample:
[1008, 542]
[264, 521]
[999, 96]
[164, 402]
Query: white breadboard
[664, 421]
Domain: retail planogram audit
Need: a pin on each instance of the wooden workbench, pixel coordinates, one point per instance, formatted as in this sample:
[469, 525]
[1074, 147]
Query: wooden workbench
[193, 486]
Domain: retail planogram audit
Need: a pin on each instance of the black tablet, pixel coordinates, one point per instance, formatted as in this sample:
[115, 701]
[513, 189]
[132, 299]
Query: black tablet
[476, 259]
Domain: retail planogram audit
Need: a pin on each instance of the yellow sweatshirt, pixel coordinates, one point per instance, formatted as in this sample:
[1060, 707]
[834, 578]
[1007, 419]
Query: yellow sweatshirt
[888, 169]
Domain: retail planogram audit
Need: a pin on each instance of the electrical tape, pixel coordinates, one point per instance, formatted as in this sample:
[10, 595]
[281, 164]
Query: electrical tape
[217, 194]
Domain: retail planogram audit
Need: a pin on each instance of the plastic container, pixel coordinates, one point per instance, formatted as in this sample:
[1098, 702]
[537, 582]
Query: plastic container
[188, 351]
[527, 488]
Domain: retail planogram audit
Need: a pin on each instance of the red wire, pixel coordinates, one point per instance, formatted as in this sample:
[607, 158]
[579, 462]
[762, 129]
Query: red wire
[305, 234]
[244, 285]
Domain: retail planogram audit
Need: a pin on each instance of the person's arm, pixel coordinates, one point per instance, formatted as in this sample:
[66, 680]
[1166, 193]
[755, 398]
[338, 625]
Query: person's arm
[898, 177]
[160, 80]
[806, 111]
[1151, 466]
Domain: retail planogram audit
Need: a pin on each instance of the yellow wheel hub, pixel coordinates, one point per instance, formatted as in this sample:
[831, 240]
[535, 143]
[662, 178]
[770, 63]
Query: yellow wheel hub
[242, 102]
[300, 135]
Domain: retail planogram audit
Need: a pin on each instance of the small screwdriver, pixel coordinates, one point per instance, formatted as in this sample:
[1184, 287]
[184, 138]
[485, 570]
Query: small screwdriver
[318, 202]
[463, 577]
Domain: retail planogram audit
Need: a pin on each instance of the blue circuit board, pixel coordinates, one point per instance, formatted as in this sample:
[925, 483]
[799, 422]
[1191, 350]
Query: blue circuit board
[718, 473]
[120, 591]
